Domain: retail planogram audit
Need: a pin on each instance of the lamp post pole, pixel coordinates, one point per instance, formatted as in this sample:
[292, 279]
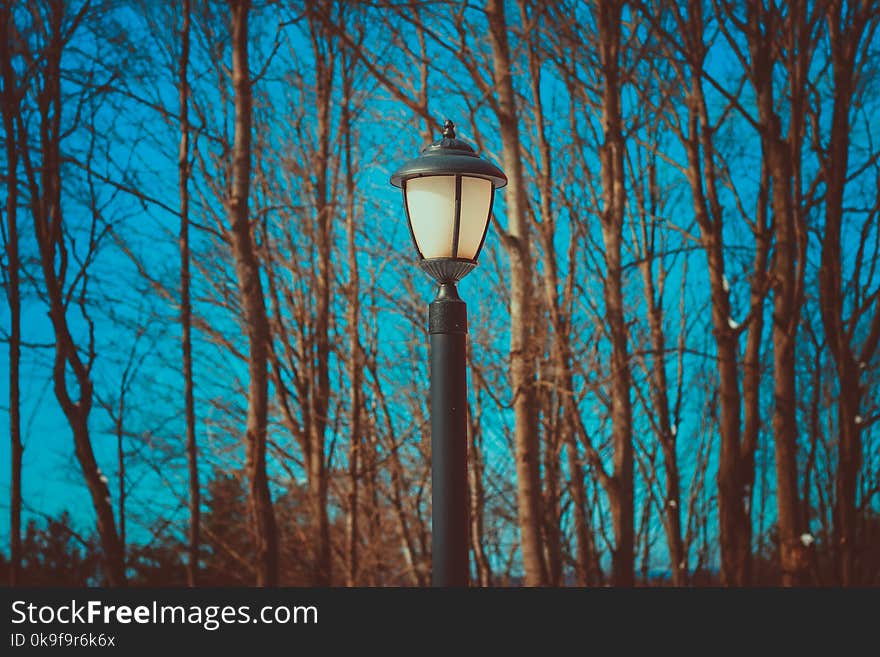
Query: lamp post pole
[447, 193]
[447, 322]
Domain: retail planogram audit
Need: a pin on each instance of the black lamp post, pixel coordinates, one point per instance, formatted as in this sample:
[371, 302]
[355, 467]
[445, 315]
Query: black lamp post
[448, 192]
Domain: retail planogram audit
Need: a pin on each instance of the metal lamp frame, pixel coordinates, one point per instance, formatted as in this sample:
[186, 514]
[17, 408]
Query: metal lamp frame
[449, 156]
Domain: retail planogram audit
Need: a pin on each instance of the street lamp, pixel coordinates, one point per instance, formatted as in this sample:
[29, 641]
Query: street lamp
[447, 193]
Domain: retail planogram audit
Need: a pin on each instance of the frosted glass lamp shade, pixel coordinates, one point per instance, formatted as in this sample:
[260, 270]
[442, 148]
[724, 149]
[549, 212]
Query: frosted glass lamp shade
[448, 215]
[448, 192]
[476, 206]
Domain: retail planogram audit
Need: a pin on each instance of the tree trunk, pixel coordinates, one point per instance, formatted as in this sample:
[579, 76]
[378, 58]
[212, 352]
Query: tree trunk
[612, 214]
[10, 109]
[649, 257]
[733, 517]
[736, 455]
[477, 492]
[554, 370]
[355, 363]
[784, 392]
[320, 397]
[247, 269]
[585, 571]
[846, 32]
[782, 157]
[44, 182]
[120, 464]
[671, 511]
[739, 564]
[517, 243]
[192, 566]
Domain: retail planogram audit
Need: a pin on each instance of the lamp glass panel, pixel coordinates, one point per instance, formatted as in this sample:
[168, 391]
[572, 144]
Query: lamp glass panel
[430, 201]
[476, 195]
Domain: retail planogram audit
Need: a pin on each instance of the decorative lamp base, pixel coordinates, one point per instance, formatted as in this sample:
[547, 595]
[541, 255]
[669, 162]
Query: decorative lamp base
[447, 270]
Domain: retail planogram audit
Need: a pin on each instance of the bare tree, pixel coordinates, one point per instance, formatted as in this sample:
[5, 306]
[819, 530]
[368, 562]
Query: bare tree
[851, 29]
[767, 28]
[323, 49]
[12, 283]
[247, 269]
[739, 411]
[611, 154]
[476, 488]
[652, 246]
[183, 175]
[61, 285]
[353, 294]
[116, 408]
[517, 243]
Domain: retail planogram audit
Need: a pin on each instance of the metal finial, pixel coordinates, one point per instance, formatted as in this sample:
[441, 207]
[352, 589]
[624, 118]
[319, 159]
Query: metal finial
[449, 129]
